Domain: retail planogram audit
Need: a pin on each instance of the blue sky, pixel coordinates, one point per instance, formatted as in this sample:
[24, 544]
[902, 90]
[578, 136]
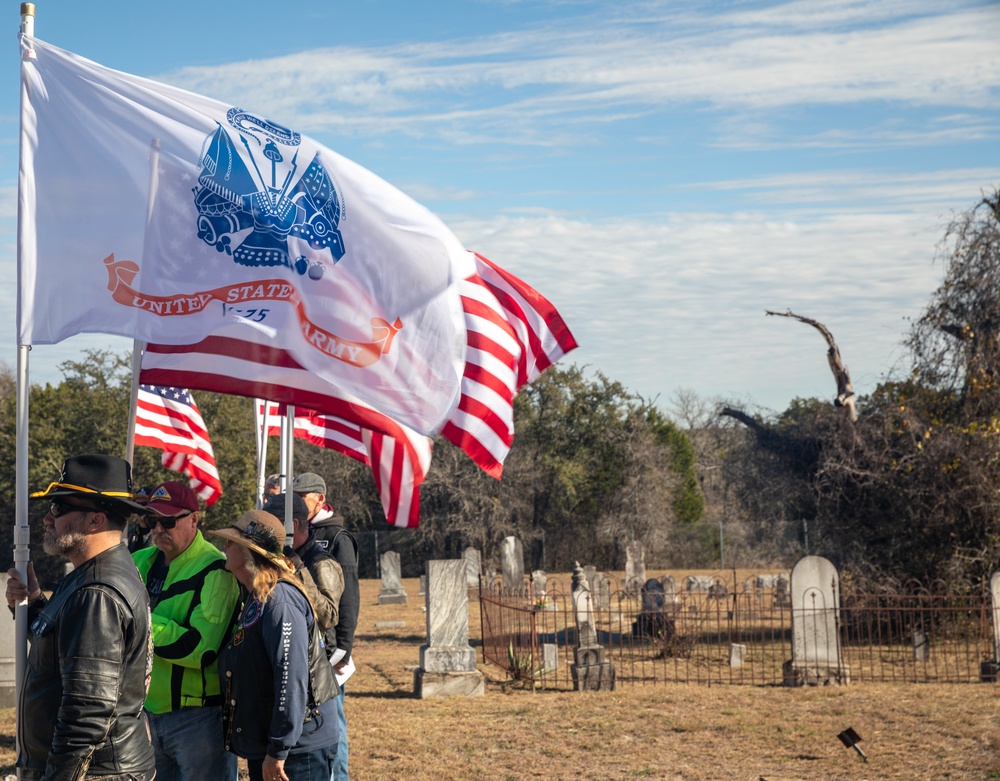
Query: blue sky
[664, 172]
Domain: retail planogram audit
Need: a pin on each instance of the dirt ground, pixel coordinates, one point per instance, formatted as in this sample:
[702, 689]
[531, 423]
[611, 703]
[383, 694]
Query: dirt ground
[675, 732]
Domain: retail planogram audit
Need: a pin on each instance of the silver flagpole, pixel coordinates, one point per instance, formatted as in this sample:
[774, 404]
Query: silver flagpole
[261, 419]
[22, 532]
[287, 456]
[137, 344]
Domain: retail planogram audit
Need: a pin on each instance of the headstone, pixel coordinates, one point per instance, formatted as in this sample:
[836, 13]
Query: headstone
[8, 679]
[653, 622]
[635, 567]
[700, 584]
[782, 591]
[815, 592]
[392, 592]
[600, 594]
[423, 586]
[473, 567]
[592, 671]
[737, 652]
[538, 584]
[550, 657]
[990, 668]
[921, 646]
[512, 564]
[447, 661]
[669, 590]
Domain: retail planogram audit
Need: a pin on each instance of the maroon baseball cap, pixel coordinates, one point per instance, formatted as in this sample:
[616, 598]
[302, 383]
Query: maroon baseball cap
[170, 498]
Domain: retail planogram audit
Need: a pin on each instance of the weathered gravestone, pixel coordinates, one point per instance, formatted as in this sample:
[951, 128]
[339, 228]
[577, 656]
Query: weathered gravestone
[512, 564]
[592, 671]
[815, 593]
[423, 586]
[635, 567]
[447, 662]
[392, 592]
[8, 679]
[473, 567]
[669, 590]
[539, 581]
[990, 667]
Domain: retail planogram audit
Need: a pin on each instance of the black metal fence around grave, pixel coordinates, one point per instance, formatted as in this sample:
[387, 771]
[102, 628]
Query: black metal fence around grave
[715, 630]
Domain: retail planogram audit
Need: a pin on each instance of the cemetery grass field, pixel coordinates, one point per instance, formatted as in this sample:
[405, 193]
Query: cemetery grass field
[667, 731]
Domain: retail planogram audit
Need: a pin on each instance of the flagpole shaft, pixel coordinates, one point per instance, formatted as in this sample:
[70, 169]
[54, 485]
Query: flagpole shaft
[22, 532]
[133, 401]
[260, 408]
[287, 456]
[137, 345]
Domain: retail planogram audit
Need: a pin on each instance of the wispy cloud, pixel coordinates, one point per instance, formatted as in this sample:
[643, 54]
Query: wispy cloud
[512, 87]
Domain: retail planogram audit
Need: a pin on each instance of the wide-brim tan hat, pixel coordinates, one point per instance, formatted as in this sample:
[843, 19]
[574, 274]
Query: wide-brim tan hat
[260, 532]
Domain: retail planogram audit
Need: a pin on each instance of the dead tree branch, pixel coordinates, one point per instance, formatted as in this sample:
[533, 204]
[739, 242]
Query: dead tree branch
[845, 390]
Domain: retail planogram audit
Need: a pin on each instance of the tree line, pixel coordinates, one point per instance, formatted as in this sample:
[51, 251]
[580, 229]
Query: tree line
[593, 467]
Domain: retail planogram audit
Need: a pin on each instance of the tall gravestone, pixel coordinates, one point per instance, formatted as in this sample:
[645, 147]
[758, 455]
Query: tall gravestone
[8, 678]
[815, 594]
[473, 567]
[512, 564]
[592, 671]
[635, 567]
[600, 591]
[990, 669]
[447, 662]
[392, 592]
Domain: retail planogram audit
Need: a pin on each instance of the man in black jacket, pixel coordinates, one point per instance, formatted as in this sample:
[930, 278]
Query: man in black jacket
[341, 545]
[80, 713]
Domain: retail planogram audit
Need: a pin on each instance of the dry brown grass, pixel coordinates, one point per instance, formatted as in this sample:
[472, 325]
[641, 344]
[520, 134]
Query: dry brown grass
[664, 732]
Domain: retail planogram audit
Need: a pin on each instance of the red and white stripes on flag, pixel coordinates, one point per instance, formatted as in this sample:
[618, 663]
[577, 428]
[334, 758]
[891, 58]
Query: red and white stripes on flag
[398, 463]
[513, 335]
[168, 418]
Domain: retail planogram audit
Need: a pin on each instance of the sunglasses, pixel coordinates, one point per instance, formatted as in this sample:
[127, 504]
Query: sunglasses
[57, 509]
[167, 523]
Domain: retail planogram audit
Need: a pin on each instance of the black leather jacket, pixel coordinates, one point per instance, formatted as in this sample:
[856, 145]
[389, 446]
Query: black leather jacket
[80, 713]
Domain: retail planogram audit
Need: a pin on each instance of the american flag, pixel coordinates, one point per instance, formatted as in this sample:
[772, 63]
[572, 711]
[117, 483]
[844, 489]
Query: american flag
[168, 418]
[514, 334]
[398, 463]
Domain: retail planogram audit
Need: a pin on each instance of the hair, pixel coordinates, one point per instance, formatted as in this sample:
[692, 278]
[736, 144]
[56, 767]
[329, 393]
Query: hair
[117, 518]
[265, 574]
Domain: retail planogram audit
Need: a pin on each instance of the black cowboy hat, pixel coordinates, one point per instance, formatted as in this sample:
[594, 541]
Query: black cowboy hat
[105, 479]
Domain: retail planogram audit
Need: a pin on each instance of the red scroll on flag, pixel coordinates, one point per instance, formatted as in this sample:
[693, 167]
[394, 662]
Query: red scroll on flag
[167, 418]
[398, 463]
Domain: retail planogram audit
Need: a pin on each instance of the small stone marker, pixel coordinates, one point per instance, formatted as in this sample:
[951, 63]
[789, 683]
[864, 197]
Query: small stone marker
[447, 661]
[392, 592]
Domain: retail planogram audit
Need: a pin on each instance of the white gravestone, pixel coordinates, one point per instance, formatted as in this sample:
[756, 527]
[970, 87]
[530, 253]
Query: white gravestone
[815, 593]
[447, 661]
